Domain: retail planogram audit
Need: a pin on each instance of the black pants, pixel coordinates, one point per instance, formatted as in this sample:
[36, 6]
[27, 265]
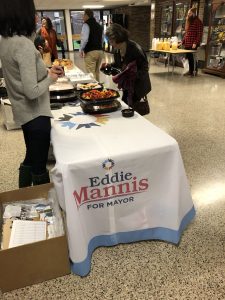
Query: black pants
[52, 57]
[37, 139]
[190, 58]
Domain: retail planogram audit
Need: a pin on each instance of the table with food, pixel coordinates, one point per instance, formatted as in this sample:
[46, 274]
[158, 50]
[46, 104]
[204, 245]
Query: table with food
[77, 86]
[119, 180]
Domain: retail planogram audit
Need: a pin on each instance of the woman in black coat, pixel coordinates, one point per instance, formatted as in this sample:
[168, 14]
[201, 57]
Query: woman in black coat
[131, 58]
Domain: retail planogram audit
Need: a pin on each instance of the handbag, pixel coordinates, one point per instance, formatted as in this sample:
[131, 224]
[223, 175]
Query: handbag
[142, 106]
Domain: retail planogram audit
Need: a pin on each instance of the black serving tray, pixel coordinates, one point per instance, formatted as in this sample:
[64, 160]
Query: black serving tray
[63, 98]
[99, 101]
[101, 108]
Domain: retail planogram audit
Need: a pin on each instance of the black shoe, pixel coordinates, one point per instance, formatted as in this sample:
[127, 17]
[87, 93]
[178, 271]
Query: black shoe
[41, 179]
[188, 73]
[25, 177]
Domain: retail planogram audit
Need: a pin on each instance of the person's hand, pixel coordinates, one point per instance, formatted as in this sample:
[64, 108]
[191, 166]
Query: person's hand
[41, 50]
[58, 70]
[103, 66]
[82, 54]
[52, 75]
[194, 46]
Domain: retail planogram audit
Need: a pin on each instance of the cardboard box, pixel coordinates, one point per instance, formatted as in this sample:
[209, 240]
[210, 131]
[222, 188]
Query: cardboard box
[8, 120]
[36, 262]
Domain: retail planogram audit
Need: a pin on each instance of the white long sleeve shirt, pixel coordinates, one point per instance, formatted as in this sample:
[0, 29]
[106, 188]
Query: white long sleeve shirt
[84, 36]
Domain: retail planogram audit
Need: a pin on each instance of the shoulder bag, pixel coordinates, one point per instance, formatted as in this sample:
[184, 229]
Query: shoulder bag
[142, 106]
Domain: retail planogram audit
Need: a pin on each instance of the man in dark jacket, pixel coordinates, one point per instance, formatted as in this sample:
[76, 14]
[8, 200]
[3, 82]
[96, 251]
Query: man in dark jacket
[91, 43]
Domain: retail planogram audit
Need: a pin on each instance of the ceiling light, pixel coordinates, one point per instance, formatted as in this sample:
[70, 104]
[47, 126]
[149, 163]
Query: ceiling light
[93, 6]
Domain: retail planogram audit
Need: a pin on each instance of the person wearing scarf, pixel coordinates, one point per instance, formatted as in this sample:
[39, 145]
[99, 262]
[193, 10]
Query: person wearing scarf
[132, 60]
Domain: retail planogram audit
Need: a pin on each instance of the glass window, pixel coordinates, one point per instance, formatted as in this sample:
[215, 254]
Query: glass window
[58, 22]
[166, 20]
[77, 22]
[181, 13]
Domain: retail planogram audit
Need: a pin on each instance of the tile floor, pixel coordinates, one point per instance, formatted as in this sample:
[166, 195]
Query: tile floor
[192, 110]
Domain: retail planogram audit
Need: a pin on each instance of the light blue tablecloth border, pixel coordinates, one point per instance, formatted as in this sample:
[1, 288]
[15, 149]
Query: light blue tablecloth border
[158, 233]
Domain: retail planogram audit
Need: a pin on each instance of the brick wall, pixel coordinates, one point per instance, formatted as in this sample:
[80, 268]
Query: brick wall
[138, 21]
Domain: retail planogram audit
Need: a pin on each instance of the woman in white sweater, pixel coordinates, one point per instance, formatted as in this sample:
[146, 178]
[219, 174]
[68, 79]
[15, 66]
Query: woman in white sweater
[27, 82]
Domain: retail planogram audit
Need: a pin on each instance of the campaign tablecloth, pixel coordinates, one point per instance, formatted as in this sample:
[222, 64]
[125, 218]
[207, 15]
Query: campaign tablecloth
[119, 180]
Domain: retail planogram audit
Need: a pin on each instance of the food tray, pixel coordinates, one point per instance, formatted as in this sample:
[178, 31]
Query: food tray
[62, 98]
[61, 87]
[96, 101]
[63, 63]
[101, 108]
[85, 87]
[80, 77]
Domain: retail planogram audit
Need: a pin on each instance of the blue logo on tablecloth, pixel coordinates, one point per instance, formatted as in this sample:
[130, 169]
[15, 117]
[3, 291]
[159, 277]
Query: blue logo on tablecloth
[79, 120]
[108, 164]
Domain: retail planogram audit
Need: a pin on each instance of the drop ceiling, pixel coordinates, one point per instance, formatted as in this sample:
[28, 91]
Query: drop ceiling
[77, 4]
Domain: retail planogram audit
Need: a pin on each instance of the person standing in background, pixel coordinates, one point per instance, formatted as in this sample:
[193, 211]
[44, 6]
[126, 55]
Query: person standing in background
[132, 60]
[91, 43]
[27, 83]
[192, 37]
[49, 34]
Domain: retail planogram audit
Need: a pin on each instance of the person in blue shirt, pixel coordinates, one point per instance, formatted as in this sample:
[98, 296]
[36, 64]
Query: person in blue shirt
[91, 43]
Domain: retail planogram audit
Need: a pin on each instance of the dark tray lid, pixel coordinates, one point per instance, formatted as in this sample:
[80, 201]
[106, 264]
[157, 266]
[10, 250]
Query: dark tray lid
[101, 108]
[70, 97]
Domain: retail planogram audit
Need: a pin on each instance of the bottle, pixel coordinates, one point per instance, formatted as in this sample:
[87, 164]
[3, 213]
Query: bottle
[167, 45]
[154, 44]
[174, 42]
[159, 44]
[164, 44]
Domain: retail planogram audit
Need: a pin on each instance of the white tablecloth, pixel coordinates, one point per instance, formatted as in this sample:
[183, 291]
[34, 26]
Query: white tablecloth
[119, 180]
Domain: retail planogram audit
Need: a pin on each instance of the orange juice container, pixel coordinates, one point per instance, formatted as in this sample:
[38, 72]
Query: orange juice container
[159, 45]
[174, 46]
[167, 46]
[163, 44]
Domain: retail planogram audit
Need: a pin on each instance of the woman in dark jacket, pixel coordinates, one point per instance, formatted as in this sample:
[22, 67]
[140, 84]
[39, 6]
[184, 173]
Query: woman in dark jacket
[129, 57]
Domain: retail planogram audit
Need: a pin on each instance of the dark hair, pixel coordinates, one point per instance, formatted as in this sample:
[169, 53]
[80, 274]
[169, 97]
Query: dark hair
[89, 12]
[39, 41]
[49, 22]
[117, 33]
[17, 17]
